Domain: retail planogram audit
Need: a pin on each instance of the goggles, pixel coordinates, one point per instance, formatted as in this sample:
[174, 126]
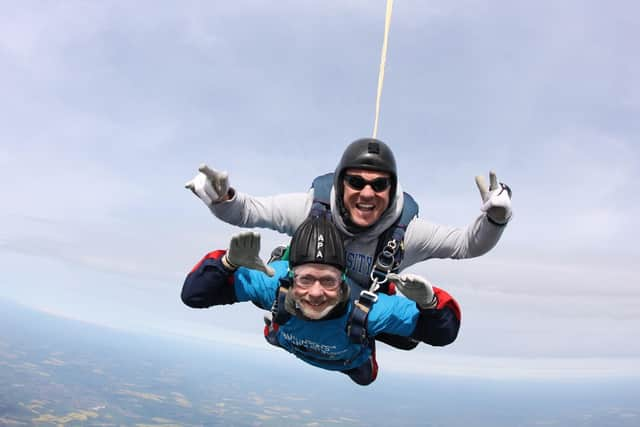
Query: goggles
[306, 281]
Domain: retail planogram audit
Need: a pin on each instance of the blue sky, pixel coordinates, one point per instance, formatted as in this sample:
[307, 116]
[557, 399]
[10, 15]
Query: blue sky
[109, 107]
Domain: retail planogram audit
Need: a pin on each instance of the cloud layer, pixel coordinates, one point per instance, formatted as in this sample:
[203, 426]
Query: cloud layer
[109, 108]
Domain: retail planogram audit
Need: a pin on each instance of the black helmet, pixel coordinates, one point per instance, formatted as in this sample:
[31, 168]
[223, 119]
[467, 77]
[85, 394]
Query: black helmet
[368, 153]
[317, 240]
[365, 153]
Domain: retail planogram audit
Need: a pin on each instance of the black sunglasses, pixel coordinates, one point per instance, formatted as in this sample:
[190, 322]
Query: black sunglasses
[358, 183]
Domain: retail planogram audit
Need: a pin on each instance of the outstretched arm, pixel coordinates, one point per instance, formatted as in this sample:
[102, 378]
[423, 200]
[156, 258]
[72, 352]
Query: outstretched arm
[282, 213]
[225, 277]
[424, 239]
[209, 283]
[434, 320]
[439, 326]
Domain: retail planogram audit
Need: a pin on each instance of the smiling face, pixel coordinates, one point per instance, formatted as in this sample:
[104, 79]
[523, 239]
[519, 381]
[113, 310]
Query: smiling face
[316, 289]
[365, 206]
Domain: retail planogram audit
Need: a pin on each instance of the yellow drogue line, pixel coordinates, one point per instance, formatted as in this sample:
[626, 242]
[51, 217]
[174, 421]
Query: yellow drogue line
[383, 61]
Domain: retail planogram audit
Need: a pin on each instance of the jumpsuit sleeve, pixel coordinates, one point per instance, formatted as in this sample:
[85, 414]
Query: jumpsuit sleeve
[209, 283]
[424, 239]
[392, 314]
[439, 326]
[398, 315]
[282, 213]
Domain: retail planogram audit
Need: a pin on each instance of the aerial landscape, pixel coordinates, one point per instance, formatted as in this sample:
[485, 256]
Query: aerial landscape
[62, 372]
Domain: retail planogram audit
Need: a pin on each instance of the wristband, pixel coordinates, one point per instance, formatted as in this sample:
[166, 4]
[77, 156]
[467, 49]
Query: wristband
[228, 265]
[496, 223]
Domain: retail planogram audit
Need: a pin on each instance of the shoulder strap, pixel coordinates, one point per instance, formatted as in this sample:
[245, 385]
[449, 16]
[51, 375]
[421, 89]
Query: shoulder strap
[322, 196]
[358, 319]
[279, 315]
[410, 210]
[390, 249]
[396, 231]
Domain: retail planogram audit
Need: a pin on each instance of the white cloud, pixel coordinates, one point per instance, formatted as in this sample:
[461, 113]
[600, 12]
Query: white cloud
[37, 35]
[505, 368]
[109, 110]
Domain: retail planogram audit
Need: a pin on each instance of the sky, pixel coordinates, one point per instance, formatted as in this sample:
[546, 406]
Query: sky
[108, 108]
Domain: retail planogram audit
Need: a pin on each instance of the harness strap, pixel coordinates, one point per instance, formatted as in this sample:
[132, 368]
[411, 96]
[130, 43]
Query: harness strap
[321, 206]
[279, 315]
[390, 249]
[357, 323]
[390, 252]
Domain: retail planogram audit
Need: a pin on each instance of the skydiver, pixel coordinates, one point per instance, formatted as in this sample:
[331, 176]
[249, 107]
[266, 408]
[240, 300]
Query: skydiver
[363, 197]
[319, 315]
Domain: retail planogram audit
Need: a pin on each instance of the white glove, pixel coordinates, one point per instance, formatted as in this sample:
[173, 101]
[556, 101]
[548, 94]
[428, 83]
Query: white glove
[209, 185]
[244, 251]
[496, 199]
[415, 288]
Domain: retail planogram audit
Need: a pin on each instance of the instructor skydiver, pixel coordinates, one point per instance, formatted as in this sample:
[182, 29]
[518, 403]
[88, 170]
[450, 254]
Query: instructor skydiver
[379, 222]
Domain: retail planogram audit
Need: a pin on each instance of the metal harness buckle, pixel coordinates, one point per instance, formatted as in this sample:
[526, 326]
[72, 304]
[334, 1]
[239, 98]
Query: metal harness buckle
[385, 263]
[369, 297]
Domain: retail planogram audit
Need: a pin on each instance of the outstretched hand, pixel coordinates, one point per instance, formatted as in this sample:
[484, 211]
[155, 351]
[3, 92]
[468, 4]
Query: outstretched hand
[209, 185]
[496, 198]
[244, 251]
[415, 288]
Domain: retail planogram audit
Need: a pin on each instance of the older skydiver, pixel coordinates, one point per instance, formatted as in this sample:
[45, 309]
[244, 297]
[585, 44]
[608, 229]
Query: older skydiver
[316, 316]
